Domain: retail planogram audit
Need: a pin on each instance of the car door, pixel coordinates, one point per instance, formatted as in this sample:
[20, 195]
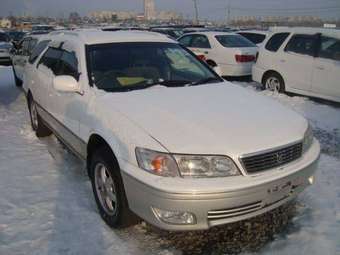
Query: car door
[326, 69]
[296, 62]
[67, 107]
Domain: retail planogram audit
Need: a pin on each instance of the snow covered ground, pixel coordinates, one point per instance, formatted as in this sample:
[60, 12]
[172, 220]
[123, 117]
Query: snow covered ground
[47, 207]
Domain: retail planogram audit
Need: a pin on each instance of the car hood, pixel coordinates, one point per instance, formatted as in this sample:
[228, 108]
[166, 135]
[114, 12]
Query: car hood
[210, 119]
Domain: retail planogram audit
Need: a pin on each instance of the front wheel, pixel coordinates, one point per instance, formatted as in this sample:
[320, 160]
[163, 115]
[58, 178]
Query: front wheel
[37, 125]
[274, 82]
[109, 190]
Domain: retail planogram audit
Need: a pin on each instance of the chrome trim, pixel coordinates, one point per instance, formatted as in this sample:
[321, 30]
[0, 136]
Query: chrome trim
[240, 159]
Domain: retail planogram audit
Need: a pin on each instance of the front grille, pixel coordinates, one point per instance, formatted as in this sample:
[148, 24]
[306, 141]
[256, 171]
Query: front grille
[235, 211]
[272, 159]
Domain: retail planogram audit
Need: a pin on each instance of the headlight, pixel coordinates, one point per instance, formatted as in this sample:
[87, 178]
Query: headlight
[308, 139]
[158, 163]
[195, 166]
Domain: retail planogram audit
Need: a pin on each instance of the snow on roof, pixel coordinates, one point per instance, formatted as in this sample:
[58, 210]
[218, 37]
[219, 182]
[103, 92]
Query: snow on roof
[96, 36]
[307, 30]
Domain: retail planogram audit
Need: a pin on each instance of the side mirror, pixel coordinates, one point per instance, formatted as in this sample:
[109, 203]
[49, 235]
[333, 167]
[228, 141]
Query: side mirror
[65, 83]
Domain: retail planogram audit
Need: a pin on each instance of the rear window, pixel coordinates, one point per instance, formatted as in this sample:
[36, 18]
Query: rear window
[234, 41]
[254, 38]
[276, 41]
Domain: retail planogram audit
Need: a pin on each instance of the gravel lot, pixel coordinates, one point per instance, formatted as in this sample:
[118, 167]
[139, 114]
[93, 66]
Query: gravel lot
[47, 207]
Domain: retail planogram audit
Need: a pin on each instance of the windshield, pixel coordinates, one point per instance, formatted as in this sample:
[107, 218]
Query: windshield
[234, 41]
[138, 65]
[17, 36]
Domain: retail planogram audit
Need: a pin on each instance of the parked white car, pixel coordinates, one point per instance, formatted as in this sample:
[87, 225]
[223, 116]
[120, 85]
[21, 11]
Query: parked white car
[162, 135]
[304, 61]
[5, 47]
[255, 36]
[229, 54]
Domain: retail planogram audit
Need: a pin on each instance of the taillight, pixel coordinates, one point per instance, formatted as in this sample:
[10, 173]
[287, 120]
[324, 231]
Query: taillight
[202, 57]
[244, 58]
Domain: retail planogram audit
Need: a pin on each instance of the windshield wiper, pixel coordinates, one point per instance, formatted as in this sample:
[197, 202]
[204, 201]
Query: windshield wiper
[207, 80]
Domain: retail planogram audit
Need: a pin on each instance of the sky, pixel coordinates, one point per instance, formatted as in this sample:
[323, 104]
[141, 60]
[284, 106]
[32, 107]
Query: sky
[208, 9]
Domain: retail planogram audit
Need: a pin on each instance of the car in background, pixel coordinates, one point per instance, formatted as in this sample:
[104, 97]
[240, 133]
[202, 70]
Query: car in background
[16, 36]
[172, 32]
[162, 135]
[21, 55]
[5, 48]
[304, 61]
[229, 54]
[255, 36]
[42, 28]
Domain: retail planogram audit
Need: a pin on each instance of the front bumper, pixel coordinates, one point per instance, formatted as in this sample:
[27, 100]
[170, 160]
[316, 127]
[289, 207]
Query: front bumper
[220, 207]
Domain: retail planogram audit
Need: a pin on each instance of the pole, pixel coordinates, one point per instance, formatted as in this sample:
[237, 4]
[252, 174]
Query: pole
[196, 12]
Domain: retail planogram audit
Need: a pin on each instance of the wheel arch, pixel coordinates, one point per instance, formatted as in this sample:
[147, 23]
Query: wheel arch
[96, 141]
[268, 72]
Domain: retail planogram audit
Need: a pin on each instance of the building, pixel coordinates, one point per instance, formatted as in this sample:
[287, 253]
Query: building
[149, 9]
[5, 23]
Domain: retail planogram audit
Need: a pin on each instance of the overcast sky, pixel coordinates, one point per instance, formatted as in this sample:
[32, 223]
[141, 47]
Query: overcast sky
[208, 9]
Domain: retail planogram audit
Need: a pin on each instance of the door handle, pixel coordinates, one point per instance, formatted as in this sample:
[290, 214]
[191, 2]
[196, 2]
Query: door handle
[206, 52]
[320, 67]
[282, 60]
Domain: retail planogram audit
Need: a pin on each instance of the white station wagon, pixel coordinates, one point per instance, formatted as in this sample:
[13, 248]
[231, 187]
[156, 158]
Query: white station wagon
[163, 136]
[304, 61]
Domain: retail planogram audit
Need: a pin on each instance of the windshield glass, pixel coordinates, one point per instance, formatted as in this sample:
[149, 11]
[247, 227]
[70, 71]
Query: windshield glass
[138, 65]
[234, 41]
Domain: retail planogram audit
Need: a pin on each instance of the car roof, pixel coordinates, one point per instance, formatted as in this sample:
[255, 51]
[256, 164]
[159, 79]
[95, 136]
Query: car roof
[96, 36]
[307, 30]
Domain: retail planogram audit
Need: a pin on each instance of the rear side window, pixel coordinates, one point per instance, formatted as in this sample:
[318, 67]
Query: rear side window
[51, 59]
[302, 44]
[234, 41]
[329, 48]
[200, 41]
[38, 49]
[254, 38]
[275, 42]
[69, 65]
[186, 41]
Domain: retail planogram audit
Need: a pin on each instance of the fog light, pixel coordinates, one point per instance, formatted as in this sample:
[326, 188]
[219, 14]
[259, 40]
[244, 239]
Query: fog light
[175, 217]
[311, 180]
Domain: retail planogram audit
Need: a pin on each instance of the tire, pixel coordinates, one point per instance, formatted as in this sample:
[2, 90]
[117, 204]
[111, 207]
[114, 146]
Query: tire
[110, 194]
[274, 82]
[38, 126]
[18, 82]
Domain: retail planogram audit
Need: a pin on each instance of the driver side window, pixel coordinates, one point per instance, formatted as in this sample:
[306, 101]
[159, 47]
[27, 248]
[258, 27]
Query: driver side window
[51, 59]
